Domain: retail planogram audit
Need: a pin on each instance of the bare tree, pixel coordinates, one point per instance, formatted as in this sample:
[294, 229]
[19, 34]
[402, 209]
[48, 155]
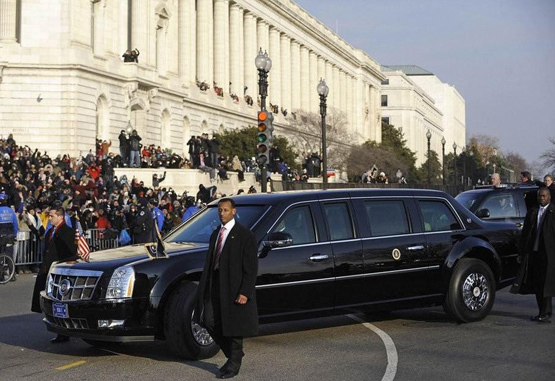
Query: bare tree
[517, 162]
[486, 146]
[548, 156]
[307, 131]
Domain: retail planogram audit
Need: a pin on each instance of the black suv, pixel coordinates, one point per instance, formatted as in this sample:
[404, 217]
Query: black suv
[320, 253]
[500, 204]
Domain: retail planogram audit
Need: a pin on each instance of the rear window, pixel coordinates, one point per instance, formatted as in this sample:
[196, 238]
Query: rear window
[386, 217]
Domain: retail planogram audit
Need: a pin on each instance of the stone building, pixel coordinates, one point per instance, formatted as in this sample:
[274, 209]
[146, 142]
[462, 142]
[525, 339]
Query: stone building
[63, 81]
[416, 101]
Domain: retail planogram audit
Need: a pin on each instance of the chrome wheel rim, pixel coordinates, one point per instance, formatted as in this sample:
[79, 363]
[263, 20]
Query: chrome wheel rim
[475, 291]
[201, 335]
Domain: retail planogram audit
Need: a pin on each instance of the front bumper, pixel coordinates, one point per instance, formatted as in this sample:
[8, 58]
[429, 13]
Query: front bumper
[137, 323]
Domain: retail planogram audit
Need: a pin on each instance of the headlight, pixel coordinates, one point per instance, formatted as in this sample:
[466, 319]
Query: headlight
[121, 284]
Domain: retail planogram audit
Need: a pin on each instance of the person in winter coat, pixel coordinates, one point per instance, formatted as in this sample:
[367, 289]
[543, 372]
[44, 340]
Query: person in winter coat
[537, 256]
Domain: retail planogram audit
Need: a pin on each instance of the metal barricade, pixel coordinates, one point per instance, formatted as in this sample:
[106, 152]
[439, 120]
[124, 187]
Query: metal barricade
[29, 248]
[101, 239]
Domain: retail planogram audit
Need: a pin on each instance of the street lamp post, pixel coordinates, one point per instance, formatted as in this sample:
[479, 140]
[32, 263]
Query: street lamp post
[464, 167]
[429, 137]
[455, 161]
[263, 64]
[443, 159]
[323, 91]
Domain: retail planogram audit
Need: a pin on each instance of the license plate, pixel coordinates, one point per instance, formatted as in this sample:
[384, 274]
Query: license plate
[60, 310]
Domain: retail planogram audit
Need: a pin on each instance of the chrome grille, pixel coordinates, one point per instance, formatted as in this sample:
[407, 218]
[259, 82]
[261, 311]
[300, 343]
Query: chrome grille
[70, 323]
[68, 285]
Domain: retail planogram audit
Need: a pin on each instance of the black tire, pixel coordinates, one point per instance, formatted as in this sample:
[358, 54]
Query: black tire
[102, 344]
[7, 269]
[187, 339]
[471, 291]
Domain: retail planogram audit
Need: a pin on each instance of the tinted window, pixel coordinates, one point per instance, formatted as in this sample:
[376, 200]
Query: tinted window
[501, 205]
[437, 216]
[339, 221]
[298, 223]
[386, 217]
[199, 228]
[470, 200]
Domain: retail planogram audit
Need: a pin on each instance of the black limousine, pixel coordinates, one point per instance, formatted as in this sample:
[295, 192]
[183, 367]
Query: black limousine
[320, 252]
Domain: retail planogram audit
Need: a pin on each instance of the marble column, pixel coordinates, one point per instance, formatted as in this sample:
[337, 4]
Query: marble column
[285, 72]
[321, 68]
[191, 6]
[314, 98]
[331, 84]
[236, 50]
[7, 21]
[205, 51]
[339, 96]
[349, 102]
[262, 36]
[305, 80]
[274, 78]
[184, 46]
[221, 43]
[250, 53]
[295, 76]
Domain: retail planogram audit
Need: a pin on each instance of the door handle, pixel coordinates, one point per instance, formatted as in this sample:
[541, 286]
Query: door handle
[415, 248]
[318, 257]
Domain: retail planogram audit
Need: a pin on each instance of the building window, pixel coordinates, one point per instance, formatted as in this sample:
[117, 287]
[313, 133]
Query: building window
[385, 82]
[385, 119]
[384, 100]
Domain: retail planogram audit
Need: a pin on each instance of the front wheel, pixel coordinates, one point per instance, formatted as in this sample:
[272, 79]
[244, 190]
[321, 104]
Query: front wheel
[7, 268]
[471, 291]
[188, 339]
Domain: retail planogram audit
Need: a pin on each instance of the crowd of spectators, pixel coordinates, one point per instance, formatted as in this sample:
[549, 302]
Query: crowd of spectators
[87, 188]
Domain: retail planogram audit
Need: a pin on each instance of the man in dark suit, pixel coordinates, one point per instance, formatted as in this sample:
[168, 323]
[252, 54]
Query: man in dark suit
[537, 256]
[226, 303]
[60, 247]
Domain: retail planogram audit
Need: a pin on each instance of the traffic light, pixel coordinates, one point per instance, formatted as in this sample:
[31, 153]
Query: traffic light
[265, 138]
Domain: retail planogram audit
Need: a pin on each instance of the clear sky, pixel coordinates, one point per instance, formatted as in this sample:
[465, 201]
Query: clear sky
[499, 54]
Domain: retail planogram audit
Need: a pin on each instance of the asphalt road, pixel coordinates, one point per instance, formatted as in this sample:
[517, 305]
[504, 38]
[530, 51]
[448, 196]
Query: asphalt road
[417, 344]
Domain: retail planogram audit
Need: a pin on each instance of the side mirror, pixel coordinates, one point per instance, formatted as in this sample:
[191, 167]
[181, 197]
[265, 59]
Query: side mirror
[276, 239]
[483, 213]
[279, 239]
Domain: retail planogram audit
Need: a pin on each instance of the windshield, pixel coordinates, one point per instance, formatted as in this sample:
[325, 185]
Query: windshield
[470, 200]
[199, 228]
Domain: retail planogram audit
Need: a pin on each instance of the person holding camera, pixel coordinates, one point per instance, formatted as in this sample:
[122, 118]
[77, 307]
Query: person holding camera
[134, 147]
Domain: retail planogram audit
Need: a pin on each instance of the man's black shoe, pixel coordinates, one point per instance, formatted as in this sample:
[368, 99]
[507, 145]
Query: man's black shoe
[224, 367]
[535, 317]
[227, 374]
[60, 339]
[544, 319]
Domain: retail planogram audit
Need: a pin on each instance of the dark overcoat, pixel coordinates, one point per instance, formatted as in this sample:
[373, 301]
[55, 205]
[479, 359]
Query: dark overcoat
[523, 283]
[59, 248]
[237, 271]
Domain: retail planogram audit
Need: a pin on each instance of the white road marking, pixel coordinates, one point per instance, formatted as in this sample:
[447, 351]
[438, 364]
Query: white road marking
[390, 348]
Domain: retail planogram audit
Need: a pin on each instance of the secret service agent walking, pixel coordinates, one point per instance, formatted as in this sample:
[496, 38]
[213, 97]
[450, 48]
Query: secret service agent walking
[60, 247]
[226, 303]
[537, 256]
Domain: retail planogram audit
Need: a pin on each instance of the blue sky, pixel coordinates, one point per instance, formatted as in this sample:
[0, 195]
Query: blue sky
[499, 54]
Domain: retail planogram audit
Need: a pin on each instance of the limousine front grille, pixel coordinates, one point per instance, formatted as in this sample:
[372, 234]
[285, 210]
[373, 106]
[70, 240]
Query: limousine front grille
[66, 285]
[69, 323]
